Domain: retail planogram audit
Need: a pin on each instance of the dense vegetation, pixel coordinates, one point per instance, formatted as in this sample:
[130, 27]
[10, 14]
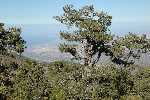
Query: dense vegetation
[65, 80]
[25, 79]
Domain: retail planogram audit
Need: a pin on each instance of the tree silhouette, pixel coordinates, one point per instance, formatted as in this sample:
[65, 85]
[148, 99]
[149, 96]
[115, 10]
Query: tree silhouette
[88, 36]
[89, 33]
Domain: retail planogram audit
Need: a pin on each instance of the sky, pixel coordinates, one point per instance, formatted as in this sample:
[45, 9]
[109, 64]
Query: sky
[42, 11]
[128, 15]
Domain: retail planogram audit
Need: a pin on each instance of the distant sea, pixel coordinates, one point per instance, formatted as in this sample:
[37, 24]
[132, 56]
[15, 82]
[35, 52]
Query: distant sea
[41, 34]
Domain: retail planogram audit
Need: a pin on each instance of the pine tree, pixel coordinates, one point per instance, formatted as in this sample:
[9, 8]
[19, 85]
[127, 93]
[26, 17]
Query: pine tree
[89, 37]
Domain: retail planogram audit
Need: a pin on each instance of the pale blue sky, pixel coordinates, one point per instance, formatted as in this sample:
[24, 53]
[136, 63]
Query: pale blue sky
[130, 15]
[41, 11]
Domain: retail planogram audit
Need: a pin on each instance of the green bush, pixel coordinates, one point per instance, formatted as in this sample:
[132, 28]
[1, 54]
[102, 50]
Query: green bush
[31, 82]
[142, 83]
[64, 80]
[84, 82]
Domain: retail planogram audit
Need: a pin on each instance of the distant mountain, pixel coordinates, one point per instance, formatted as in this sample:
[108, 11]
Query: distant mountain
[46, 53]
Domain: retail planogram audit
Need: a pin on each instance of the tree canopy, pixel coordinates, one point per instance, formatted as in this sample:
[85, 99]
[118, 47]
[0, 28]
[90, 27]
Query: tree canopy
[11, 40]
[91, 29]
[90, 37]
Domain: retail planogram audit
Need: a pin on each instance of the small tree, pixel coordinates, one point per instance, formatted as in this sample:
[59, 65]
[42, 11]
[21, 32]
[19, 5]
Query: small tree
[125, 50]
[11, 40]
[89, 33]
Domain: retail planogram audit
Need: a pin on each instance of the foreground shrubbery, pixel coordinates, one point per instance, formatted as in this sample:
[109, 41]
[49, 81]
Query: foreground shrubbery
[100, 82]
[92, 83]
[142, 83]
[65, 80]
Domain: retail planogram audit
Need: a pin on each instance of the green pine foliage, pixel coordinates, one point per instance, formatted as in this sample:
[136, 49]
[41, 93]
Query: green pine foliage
[90, 37]
[89, 31]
